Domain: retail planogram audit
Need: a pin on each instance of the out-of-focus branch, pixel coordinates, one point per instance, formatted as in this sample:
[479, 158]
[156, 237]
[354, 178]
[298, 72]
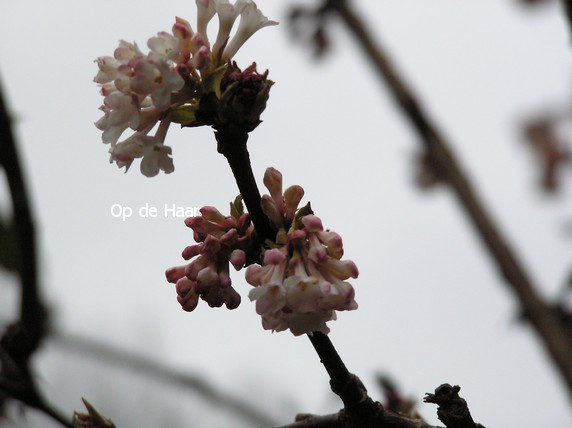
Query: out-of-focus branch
[105, 353]
[567, 5]
[32, 310]
[21, 339]
[542, 316]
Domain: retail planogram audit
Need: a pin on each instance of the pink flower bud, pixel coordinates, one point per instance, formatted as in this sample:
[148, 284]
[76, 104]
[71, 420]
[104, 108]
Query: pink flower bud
[212, 215]
[191, 251]
[253, 275]
[207, 277]
[269, 208]
[238, 259]
[343, 269]
[292, 197]
[274, 257]
[232, 300]
[273, 182]
[187, 297]
[175, 273]
[312, 223]
[211, 245]
[229, 238]
[334, 243]
[201, 58]
[244, 222]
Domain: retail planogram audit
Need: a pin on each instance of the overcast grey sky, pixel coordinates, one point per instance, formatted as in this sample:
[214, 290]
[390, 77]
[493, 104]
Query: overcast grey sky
[432, 307]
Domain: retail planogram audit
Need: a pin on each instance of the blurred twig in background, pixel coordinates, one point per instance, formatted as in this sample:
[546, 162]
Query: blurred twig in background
[23, 337]
[551, 152]
[542, 316]
[143, 366]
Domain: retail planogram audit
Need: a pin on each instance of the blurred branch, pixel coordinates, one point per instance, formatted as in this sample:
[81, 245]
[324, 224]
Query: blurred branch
[542, 317]
[552, 154]
[567, 5]
[393, 398]
[32, 310]
[22, 338]
[103, 352]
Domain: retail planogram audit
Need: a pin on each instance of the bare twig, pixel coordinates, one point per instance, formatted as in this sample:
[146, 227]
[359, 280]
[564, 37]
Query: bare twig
[567, 5]
[452, 411]
[542, 316]
[358, 406]
[32, 311]
[105, 353]
[21, 339]
[233, 147]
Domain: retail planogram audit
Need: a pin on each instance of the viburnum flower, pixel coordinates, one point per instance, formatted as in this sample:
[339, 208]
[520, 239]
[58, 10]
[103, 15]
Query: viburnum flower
[181, 79]
[302, 282]
[221, 241]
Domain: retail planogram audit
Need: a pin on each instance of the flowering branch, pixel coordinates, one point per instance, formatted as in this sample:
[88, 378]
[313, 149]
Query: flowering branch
[543, 317]
[294, 264]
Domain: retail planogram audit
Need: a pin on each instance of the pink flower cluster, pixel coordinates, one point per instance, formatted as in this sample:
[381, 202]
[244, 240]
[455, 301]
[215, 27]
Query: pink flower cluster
[302, 282]
[222, 240]
[141, 90]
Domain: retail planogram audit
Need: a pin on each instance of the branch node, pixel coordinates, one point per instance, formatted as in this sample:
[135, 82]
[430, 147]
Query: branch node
[453, 410]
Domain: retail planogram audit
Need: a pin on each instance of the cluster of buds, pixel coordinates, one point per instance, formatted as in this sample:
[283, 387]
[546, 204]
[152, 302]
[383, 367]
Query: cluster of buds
[182, 80]
[302, 281]
[221, 241]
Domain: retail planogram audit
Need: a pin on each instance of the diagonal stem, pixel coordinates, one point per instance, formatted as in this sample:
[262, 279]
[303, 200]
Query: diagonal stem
[357, 403]
[233, 147]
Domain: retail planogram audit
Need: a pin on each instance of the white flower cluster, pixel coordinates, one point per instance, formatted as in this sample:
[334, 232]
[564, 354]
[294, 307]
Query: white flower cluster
[140, 89]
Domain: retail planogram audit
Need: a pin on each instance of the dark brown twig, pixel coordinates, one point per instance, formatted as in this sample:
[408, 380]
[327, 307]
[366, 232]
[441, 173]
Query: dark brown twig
[452, 411]
[233, 147]
[542, 317]
[32, 310]
[358, 406]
